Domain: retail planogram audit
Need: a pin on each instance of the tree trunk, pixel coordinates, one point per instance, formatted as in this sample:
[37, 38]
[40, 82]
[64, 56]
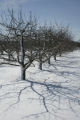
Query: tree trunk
[40, 61]
[40, 65]
[9, 56]
[49, 62]
[22, 59]
[23, 71]
[55, 57]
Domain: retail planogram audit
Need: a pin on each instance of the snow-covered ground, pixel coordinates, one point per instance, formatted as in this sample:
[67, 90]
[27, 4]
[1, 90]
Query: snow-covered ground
[65, 72]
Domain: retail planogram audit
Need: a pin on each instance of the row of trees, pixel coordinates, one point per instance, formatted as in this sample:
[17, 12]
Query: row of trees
[22, 42]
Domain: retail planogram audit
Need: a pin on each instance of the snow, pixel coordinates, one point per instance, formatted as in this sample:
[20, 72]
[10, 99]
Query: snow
[65, 71]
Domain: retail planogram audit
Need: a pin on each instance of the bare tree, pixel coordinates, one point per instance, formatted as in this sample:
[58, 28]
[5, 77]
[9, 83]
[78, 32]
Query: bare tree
[22, 32]
[23, 43]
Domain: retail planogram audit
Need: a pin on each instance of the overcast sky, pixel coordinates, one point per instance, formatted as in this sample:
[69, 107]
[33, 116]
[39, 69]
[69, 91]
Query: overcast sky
[65, 12]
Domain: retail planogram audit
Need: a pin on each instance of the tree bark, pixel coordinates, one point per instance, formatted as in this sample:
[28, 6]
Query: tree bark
[23, 71]
[40, 61]
[40, 65]
[22, 58]
[55, 57]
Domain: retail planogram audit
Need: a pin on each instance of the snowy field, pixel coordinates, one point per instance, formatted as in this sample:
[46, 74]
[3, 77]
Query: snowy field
[19, 102]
